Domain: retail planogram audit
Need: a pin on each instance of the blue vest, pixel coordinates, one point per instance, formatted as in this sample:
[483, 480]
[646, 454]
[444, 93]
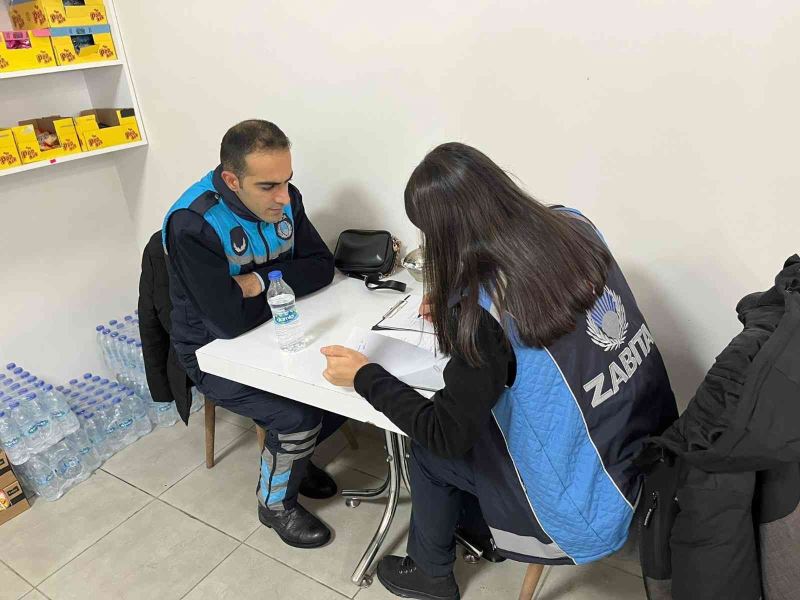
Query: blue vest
[567, 432]
[247, 244]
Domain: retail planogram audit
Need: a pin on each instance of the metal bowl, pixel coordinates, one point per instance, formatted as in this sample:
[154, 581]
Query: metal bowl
[414, 263]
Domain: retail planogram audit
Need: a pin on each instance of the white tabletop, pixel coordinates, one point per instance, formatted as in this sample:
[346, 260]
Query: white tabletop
[329, 316]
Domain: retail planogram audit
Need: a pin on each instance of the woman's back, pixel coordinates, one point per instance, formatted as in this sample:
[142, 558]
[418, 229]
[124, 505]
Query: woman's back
[574, 419]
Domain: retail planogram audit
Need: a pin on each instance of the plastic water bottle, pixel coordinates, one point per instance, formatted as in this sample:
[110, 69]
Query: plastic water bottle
[288, 328]
[197, 401]
[60, 414]
[166, 415]
[80, 444]
[11, 440]
[104, 417]
[28, 417]
[39, 471]
[131, 358]
[49, 429]
[122, 416]
[112, 352]
[140, 379]
[96, 434]
[67, 463]
[141, 420]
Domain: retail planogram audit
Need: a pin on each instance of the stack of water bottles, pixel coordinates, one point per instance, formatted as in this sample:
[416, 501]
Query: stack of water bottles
[41, 436]
[120, 347]
[57, 437]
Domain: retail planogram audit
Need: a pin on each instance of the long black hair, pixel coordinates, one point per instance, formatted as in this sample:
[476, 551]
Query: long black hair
[541, 266]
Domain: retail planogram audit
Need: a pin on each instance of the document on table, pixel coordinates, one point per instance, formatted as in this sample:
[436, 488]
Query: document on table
[409, 362]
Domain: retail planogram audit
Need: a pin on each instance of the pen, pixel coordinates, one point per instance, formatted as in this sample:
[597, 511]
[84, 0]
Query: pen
[397, 306]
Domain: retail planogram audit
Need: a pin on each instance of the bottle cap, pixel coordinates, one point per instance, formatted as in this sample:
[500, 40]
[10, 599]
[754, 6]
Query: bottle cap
[275, 275]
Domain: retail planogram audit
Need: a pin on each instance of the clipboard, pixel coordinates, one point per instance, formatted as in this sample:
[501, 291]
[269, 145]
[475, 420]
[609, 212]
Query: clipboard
[404, 316]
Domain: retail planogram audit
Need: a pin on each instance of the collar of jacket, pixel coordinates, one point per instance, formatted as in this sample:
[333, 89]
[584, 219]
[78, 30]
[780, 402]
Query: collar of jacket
[231, 199]
[786, 282]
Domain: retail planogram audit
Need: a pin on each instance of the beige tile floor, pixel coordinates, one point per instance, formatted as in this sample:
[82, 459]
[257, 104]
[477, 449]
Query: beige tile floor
[154, 523]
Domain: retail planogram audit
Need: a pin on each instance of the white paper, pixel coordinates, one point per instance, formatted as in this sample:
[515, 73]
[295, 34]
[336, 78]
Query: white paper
[415, 365]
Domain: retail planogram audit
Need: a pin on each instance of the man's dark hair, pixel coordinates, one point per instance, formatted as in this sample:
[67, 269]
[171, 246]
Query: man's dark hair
[247, 137]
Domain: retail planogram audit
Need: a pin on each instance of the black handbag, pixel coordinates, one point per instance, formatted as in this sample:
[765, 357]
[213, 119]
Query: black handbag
[368, 255]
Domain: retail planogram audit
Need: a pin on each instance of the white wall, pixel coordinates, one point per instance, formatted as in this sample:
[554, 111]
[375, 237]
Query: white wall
[69, 261]
[672, 124]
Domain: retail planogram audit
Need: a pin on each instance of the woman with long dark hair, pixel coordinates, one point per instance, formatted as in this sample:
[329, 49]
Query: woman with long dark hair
[553, 384]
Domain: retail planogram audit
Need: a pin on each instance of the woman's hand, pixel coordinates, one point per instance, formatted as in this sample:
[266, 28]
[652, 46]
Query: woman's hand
[343, 364]
[425, 309]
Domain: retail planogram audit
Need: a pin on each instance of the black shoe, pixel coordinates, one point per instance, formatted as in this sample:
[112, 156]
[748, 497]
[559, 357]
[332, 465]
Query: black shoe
[403, 578]
[296, 527]
[317, 484]
[484, 543]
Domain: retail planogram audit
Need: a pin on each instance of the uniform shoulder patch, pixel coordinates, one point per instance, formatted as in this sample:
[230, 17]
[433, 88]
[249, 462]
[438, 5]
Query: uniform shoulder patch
[205, 202]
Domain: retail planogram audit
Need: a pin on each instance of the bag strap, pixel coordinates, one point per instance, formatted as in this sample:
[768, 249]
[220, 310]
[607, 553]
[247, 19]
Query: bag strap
[373, 282]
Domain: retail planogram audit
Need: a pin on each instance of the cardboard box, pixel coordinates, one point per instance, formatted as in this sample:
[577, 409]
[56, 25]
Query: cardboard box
[104, 127]
[41, 14]
[80, 45]
[21, 50]
[28, 145]
[9, 155]
[12, 501]
[7, 476]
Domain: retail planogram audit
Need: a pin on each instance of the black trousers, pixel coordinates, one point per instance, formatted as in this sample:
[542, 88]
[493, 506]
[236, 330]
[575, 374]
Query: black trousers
[442, 498]
[293, 431]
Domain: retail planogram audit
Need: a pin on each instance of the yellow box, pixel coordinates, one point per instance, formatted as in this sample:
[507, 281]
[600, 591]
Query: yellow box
[9, 155]
[28, 144]
[41, 14]
[78, 45]
[22, 50]
[104, 127]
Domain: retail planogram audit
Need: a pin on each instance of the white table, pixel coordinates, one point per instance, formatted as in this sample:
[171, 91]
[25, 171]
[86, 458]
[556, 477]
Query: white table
[329, 316]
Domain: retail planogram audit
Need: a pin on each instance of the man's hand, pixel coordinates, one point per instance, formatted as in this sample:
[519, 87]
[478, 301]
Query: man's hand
[251, 286]
[343, 364]
[425, 309]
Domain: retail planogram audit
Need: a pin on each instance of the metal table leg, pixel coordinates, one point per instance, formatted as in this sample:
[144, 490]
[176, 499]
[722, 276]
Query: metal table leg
[353, 497]
[472, 555]
[360, 576]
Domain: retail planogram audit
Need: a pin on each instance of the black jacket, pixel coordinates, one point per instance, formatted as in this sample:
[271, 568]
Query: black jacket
[726, 476]
[165, 376]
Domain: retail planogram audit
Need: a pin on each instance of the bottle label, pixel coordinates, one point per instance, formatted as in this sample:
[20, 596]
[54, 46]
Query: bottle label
[43, 480]
[286, 317]
[43, 423]
[126, 423]
[68, 464]
[32, 430]
[12, 443]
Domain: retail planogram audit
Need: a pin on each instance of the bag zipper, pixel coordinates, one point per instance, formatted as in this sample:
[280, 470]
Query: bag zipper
[652, 509]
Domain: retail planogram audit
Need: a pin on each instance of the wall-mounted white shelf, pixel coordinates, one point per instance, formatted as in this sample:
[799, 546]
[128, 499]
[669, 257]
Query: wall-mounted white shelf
[70, 158]
[69, 90]
[64, 69]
